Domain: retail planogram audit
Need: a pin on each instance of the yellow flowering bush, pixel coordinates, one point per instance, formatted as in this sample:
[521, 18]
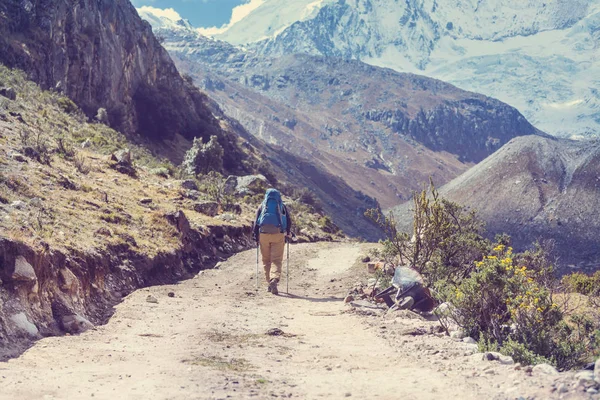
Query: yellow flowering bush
[508, 308]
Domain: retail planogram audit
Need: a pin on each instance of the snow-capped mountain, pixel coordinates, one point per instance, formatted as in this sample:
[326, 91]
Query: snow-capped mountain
[542, 57]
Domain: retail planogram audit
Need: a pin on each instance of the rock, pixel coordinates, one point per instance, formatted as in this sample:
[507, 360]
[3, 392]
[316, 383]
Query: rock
[227, 217]
[275, 332]
[471, 349]
[75, 323]
[443, 309]
[597, 371]
[86, 143]
[179, 219]
[366, 259]
[191, 194]
[151, 299]
[349, 299]
[68, 280]
[592, 390]
[66, 182]
[506, 360]
[24, 325]
[103, 232]
[544, 369]
[24, 272]
[371, 268]
[210, 208]
[9, 93]
[189, 184]
[19, 205]
[122, 157]
[586, 375]
[145, 200]
[171, 294]
[458, 334]
[18, 157]
[562, 388]
[469, 340]
[233, 208]
[245, 185]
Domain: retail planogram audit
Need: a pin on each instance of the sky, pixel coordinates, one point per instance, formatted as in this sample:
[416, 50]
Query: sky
[200, 13]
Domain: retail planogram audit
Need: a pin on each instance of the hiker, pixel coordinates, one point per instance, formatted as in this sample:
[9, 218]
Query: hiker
[271, 230]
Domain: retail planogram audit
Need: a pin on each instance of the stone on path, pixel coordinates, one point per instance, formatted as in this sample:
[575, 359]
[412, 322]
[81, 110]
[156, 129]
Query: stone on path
[545, 369]
[151, 299]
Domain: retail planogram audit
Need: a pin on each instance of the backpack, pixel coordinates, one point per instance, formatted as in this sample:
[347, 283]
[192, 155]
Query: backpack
[273, 212]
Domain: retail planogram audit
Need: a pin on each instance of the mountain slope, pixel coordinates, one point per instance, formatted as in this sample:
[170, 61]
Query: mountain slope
[540, 57]
[535, 187]
[102, 55]
[383, 132]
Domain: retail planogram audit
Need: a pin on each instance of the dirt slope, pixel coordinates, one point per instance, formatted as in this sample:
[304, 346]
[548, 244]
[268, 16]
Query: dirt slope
[209, 342]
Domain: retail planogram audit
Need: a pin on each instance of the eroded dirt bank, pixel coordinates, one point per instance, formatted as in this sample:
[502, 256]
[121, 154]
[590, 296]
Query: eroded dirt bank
[209, 341]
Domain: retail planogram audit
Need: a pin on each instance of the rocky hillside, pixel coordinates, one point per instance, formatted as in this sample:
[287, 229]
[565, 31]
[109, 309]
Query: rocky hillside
[538, 56]
[102, 55]
[382, 132]
[536, 188]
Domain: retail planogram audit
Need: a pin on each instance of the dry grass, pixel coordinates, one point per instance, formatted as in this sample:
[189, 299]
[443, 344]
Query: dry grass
[221, 364]
[68, 201]
[71, 197]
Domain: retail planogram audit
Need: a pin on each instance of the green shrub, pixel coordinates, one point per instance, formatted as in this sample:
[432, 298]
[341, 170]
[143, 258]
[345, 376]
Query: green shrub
[504, 300]
[202, 158]
[578, 282]
[67, 105]
[212, 184]
[327, 225]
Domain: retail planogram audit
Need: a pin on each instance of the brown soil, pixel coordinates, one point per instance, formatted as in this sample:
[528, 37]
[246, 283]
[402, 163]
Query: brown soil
[209, 341]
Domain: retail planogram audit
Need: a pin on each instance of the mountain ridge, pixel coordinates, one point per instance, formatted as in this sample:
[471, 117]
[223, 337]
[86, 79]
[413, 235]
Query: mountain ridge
[392, 130]
[538, 57]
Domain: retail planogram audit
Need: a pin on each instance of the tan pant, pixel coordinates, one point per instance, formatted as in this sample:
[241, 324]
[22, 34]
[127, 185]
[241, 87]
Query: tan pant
[272, 246]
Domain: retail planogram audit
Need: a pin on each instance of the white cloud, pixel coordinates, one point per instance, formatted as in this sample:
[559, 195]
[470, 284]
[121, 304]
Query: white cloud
[159, 12]
[237, 14]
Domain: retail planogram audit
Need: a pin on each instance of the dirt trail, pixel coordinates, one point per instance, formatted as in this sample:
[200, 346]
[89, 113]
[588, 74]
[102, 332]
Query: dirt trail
[209, 342]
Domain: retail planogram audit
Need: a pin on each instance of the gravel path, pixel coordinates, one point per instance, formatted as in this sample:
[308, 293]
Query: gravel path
[209, 341]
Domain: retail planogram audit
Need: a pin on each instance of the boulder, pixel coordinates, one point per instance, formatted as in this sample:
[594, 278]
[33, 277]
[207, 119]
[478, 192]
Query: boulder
[23, 272]
[68, 280]
[227, 217]
[122, 157]
[9, 93]
[597, 371]
[189, 184]
[179, 219]
[544, 369]
[245, 185]
[75, 323]
[209, 208]
[23, 324]
[18, 156]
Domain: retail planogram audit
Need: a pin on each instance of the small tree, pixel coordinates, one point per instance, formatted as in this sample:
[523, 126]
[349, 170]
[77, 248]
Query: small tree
[102, 116]
[203, 157]
[446, 237]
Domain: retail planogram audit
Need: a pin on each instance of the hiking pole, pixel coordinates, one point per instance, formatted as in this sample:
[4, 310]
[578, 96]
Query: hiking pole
[257, 266]
[287, 273]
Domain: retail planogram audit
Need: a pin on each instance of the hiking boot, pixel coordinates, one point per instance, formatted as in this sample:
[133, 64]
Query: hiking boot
[273, 286]
[269, 288]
